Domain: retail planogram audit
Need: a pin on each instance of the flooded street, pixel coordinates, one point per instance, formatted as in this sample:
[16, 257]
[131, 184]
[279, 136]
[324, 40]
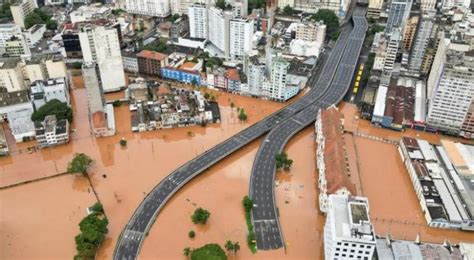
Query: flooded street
[40, 220]
[51, 209]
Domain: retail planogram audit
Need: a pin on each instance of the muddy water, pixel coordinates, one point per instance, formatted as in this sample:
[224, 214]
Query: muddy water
[40, 220]
[394, 206]
[220, 190]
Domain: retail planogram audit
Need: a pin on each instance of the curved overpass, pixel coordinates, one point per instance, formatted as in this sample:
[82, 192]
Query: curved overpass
[264, 214]
[131, 238]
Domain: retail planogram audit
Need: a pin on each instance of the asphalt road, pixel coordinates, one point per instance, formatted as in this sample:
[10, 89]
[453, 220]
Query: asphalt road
[335, 81]
[131, 238]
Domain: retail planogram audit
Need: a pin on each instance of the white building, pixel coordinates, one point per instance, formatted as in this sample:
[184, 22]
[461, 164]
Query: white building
[452, 91]
[45, 91]
[17, 46]
[219, 29]
[283, 3]
[34, 34]
[101, 45]
[398, 13]
[428, 5]
[21, 10]
[348, 232]
[7, 31]
[157, 8]
[182, 6]
[241, 35]
[20, 124]
[52, 132]
[391, 52]
[305, 48]
[255, 76]
[198, 21]
[340, 7]
[277, 88]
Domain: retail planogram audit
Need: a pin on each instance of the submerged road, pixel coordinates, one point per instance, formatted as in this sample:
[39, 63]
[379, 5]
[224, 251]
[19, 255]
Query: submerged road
[336, 83]
[131, 238]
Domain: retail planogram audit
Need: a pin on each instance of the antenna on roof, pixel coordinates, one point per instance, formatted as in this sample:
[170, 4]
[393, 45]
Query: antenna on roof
[417, 239]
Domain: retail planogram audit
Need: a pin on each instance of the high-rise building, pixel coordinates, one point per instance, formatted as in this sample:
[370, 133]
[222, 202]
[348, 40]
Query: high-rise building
[255, 76]
[422, 38]
[21, 9]
[182, 6]
[11, 75]
[409, 35]
[348, 232]
[452, 88]
[198, 21]
[157, 8]
[219, 29]
[428, 5]
[241, 34]
[101, 45]
[277, 88]
[398, 14]
[391, 52]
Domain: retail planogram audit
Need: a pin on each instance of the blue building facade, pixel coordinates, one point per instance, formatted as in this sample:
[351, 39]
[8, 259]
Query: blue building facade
[180, 75]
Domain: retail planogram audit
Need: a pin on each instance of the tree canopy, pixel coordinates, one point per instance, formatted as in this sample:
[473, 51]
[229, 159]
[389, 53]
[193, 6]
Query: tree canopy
[158, 46]
[53, 107]
[93, 230]
[287, 10]
[242, 115]
[200, 216]
[255, 4]
[79, 164]
[6, 12]
[209, 252]
[331, 21]
[38, 16]
[282, 161]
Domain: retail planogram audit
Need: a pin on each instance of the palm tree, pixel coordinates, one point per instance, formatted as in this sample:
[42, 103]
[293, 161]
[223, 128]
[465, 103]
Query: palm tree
[229, 246]
[236, 247]
[187, 251]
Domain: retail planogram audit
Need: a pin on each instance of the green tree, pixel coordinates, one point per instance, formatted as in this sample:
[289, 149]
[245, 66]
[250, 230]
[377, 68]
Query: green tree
[282, 161]
[79, 164]
[53, 107]
[229, 246]
[32, 19]
[331, 21]
[93, 230]
[6, 11]
[255, 4]
[221, 4]
[236, 247]
[287, 10]
[51, 25]
[194, 82]
[207, 95]
[247, 203]
[200, 216]
[76, 65]
[191, 234]
[97, 208]
[208, 252]
[242, 115]
[123, 142]
[187, 251]
[174, 17]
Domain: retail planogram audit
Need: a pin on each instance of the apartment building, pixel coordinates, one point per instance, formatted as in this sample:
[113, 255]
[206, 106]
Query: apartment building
[348, 232]
[101, 45]
[428, 5]
[198, 21]
[156, 8]
[422, 38]
[340, 7]
[17, 46]
[255, 76]
[151, 62]
[11, 75]
[51, 132]
[410, 31]
[375, 8]
[21, 9]
[219, 29]
[277, 88]
[310, 31]
[241, 35]
[452, 91]
[398, 13]
[391, 51]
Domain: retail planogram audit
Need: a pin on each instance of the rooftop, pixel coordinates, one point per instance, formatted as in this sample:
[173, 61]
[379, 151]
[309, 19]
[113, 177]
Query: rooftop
[152, 55]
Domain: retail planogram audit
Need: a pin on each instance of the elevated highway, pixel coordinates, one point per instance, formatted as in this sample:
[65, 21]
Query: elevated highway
[131, 238]
[264, 214]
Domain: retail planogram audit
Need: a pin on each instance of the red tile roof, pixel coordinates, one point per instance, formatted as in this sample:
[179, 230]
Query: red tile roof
[233, 74]
[152, 55]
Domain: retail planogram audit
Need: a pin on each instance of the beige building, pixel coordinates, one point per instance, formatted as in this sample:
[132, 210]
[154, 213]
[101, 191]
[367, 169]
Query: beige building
[11, 75]
[21, 10]
[17, 46]
[375, 7]
[311, 31]
[410, 31]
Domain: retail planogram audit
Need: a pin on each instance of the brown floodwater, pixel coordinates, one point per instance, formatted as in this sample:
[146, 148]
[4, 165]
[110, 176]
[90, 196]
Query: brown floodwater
[40, 220]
